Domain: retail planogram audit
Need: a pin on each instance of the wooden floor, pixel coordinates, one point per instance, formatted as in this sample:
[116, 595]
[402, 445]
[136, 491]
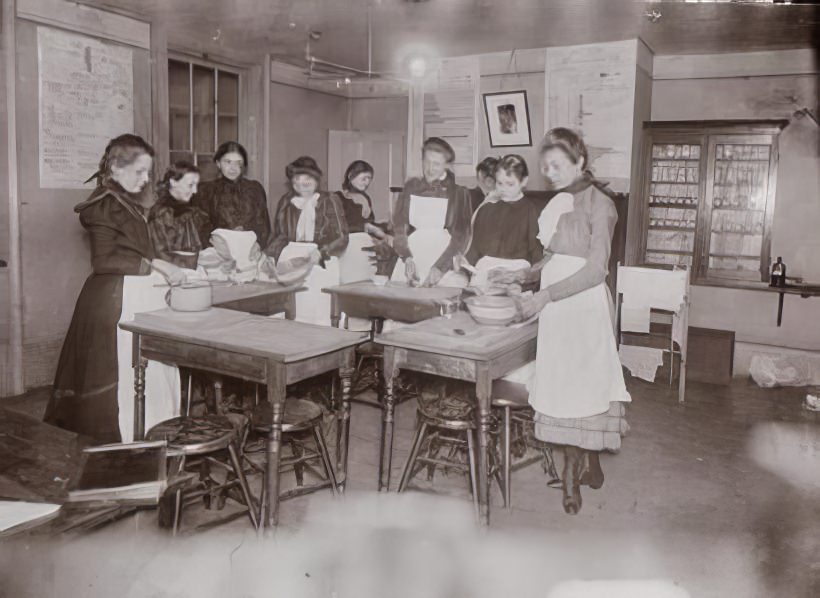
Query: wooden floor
[695, 497]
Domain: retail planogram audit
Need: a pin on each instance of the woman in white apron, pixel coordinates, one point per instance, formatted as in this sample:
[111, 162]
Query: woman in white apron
[310, 224]
[93, 388]
[431, 221]
[577, 388]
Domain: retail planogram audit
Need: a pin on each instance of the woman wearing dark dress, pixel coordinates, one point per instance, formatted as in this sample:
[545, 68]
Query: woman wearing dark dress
[431, 220]
[358, 207]
[177, 226]
[85, 395]
[505, 225]
[233, 201]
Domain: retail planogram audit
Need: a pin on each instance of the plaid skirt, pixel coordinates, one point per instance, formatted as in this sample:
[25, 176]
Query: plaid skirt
[601, 432]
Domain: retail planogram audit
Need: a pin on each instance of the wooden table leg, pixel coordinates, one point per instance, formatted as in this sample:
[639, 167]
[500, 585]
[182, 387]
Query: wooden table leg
[139, 364]
[386, 444]
[276, 396]
[343, 421]
[290, 306]
[484, 385]
[335, 311]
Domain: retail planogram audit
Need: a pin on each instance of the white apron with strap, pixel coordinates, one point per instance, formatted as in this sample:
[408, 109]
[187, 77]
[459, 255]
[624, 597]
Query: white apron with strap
[577, 372]
[162, 388]
[428, 241]
[312, 305]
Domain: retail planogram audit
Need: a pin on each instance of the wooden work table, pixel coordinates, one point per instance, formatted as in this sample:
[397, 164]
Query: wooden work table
[462, 349]
[257, 297]
[268, 351]
[393, 301]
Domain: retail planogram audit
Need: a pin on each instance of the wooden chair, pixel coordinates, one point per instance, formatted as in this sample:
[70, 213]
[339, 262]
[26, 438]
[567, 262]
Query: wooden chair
[676, 278]
[302, 422]
[196, 444]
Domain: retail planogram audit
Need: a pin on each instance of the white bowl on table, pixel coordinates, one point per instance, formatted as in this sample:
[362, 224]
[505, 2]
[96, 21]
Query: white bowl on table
[379, 279]
[491, 310]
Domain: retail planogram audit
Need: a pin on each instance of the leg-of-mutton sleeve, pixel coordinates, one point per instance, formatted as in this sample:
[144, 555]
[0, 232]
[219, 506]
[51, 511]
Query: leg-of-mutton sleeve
[113, 250]
[603, 217]
[458, 224]
[260, 221]
[331, 230]
[281, 229]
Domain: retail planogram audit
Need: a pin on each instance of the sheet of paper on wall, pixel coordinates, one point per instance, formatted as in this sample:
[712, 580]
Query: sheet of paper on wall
[591, 88]
[86, 99]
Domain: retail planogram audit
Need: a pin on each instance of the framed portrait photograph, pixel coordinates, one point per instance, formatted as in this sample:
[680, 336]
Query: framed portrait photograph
[508, 118]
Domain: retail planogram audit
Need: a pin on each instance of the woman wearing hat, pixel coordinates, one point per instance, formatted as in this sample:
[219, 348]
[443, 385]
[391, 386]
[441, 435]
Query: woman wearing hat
[310, 224]
[576, 387]
[431, 221]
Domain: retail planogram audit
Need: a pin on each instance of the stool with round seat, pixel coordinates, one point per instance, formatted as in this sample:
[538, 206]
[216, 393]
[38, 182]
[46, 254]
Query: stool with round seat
[512, 400]
[198, 442]
[301, 418]
[445, 424]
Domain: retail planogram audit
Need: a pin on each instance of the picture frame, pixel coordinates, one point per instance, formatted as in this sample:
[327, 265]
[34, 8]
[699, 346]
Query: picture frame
[508, 118]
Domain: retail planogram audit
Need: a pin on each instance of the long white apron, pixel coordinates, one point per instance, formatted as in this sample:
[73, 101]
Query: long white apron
[576, 372]
[577, 369]
[162, 388]
[428, 241]
[354, 264]
[312, 305]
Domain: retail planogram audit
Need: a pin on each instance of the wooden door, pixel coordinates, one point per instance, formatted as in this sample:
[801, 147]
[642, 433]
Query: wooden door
[384, 150]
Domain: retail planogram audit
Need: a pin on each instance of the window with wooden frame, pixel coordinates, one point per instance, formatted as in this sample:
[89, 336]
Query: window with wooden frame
[708, 201]
[203, 111]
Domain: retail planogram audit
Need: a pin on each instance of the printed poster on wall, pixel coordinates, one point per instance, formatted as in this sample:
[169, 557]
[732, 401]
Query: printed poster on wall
[86, 98]
[450, 108]
[591, 88]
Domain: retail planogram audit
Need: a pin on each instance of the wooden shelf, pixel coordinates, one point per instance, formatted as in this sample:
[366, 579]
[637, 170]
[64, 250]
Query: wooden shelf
[670, 251]
[686, 206]
[672, 228]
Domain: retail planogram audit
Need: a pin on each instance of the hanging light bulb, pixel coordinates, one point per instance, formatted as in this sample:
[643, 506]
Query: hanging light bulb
[417, 66]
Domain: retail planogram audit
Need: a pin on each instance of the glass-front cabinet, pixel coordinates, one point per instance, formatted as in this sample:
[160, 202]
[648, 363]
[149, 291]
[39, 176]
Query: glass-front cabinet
[708, 200]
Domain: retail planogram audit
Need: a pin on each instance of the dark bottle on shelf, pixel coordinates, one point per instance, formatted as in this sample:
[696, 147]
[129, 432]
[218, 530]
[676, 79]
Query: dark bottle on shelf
[778, 273]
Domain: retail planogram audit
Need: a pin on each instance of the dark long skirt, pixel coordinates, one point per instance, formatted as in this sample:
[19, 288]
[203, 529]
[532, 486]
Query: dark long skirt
[84, 399]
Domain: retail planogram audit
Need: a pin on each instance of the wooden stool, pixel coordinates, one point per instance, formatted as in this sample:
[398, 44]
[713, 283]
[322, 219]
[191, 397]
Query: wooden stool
[444, 429]
[196, 441]
[512, 400]
[300, 416]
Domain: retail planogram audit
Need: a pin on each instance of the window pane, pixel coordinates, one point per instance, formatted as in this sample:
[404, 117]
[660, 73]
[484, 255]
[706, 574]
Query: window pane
[228, 107]
[207, 168]
[673, 203]
[179, 106]
[739, 193]
[203, 109]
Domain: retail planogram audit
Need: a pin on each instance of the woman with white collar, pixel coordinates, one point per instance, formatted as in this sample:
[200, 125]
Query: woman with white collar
[310, 224]
[505, 225]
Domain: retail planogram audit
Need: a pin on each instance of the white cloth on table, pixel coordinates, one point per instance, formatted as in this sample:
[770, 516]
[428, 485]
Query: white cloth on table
[642, 362]
[240, 244]
[312, 305]
[162, 387]
[487, 263]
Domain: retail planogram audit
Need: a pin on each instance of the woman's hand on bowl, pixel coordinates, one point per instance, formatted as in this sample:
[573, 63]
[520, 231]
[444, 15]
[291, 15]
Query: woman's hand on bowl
[173, 274]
